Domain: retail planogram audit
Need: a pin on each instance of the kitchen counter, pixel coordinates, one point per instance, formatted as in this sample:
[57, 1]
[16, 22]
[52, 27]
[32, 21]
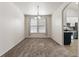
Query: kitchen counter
[67, 37]
[69, 31]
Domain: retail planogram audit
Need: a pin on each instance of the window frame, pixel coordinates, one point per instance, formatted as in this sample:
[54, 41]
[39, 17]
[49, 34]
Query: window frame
[38, 25]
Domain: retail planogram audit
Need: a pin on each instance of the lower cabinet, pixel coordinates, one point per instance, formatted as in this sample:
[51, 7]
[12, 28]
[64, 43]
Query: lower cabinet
[67, 38]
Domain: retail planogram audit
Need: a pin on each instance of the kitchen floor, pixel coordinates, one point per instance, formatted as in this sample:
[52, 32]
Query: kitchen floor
[39, 48]
[73, 47]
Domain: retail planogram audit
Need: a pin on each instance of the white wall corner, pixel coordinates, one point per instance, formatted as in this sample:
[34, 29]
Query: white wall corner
[57, 28]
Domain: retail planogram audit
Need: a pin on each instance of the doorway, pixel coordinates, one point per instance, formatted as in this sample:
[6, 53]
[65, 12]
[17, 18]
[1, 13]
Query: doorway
[70, 27]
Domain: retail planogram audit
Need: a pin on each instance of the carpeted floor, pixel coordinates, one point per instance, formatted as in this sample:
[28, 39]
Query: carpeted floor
[38, 48]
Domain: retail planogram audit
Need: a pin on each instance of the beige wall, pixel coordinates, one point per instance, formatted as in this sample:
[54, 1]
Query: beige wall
[38, 35]
[57, 26]
[11, 26]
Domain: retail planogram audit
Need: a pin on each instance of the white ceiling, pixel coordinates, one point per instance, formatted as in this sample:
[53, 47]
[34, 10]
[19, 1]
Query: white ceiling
[45, 8]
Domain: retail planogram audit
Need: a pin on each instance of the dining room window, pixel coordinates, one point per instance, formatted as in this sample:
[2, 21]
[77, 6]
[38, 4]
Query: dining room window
[38, 24]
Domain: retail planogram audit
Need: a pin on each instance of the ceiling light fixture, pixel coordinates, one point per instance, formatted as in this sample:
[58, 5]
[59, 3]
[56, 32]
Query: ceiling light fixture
[38, 16]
